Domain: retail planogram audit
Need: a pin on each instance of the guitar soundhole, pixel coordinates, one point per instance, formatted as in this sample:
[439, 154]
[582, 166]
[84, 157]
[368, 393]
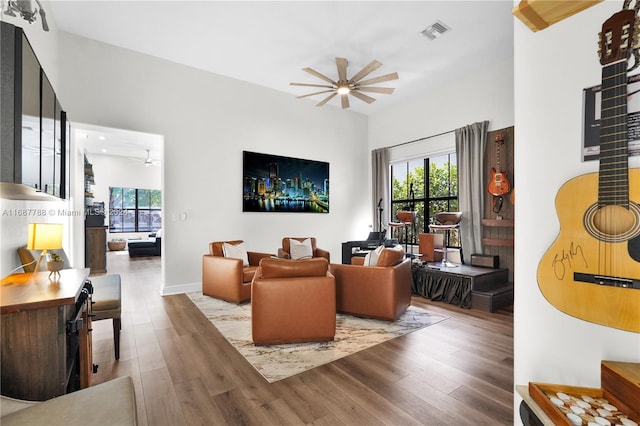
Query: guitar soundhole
[613, 224]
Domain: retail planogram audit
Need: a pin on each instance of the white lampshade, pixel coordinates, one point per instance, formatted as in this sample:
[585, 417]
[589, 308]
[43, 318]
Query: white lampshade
[44, 236]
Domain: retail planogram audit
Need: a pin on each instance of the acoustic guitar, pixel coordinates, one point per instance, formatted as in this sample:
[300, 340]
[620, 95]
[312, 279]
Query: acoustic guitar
[498, 182]
[592, 270]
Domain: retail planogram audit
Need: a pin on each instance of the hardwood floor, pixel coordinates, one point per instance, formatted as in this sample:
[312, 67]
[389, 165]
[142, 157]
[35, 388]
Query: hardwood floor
[457, 372]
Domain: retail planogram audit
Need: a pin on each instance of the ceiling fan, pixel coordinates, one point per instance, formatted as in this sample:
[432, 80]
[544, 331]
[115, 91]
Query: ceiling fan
[353, 86]
[147, 161]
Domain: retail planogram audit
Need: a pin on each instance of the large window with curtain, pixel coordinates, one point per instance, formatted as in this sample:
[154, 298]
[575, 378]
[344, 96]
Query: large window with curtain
[134, 210]
[427, 186]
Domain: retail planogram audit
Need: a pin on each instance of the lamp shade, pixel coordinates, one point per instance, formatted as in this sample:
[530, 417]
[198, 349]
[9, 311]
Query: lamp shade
[44, 236]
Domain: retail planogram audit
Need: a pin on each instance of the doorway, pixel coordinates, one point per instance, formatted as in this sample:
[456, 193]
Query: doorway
[117, 159]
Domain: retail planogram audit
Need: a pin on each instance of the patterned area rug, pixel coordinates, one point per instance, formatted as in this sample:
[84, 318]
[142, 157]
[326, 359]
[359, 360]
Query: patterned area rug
[281, 361]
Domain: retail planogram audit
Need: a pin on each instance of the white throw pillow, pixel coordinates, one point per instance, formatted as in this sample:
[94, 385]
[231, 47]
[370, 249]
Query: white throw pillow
[237, 251]
[371, 259]
[159, 233]
[300, 250]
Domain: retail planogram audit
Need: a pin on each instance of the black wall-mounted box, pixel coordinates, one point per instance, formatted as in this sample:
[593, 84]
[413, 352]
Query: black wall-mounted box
[94, 221]
[485, 260]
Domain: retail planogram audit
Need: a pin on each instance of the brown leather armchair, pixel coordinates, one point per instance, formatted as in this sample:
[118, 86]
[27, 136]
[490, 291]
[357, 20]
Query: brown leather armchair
[293, 301]
[382, 291]
[285, 251]
[228, 278]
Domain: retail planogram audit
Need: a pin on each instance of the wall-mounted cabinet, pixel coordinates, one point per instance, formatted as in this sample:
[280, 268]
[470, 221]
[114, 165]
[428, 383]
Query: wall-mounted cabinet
[35, 133]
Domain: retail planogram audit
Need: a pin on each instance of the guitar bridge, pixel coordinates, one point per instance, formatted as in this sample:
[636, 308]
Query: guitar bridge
[606, 280]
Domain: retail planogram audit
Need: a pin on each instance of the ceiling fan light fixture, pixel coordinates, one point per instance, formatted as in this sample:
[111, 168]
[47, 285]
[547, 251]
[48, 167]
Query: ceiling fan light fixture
[343, 89]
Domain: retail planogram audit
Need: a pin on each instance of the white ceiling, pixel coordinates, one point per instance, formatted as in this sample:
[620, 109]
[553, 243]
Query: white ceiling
[121, 143]
[268, 43]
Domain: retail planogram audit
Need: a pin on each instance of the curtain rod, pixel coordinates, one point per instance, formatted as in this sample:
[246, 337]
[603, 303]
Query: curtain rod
[421, 139]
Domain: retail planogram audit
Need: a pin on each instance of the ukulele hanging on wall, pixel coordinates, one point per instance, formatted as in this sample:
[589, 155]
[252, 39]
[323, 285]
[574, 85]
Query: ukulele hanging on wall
[592, 270]
[498, 182]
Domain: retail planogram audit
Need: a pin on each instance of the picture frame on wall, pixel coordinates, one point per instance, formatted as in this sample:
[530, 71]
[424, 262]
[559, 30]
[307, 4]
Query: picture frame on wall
[279, 184]
[591, 130]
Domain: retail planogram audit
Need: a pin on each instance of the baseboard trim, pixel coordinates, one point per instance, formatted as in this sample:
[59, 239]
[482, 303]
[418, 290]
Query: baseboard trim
[180, 289]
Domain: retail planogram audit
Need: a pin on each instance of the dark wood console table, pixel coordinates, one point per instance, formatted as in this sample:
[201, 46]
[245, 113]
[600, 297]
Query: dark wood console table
[46, 334]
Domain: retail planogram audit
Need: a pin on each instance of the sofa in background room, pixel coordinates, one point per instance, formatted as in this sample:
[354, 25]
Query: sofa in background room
[150, 247]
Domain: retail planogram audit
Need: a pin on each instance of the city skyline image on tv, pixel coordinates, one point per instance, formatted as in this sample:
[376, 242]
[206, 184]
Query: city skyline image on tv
[274, 183]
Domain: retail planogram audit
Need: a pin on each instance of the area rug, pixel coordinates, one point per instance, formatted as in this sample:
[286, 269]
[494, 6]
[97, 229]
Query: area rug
[281, 361]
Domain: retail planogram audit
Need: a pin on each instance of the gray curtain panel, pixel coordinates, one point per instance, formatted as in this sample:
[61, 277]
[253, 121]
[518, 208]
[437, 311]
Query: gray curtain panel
[470, 144]
[380, 186]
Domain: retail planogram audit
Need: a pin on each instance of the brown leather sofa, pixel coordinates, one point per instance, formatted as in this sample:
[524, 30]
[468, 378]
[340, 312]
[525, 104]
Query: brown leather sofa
[293, 301]
[285, 251]
[227, 278]
[382, 291]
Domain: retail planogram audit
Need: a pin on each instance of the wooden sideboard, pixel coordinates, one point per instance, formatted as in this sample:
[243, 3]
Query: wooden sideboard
[46, 334]
[95, 249]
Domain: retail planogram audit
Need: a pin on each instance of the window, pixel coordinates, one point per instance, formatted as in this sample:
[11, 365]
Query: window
[134, 210]
[430, 182]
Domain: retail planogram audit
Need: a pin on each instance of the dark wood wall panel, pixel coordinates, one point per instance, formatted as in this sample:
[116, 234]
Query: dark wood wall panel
[498, 227]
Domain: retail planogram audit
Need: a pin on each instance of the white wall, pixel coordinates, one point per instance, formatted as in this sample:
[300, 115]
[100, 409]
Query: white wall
[207, 121]
[483, 94]
[552, 67]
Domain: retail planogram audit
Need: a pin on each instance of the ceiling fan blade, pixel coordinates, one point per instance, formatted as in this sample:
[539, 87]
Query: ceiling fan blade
[385, 90]
[381, 79]
[341, 63]
[327, 99]
[315, 93]
[320, 76]
[345, 101]
[311, 85]
[372, 66]
[362, 97]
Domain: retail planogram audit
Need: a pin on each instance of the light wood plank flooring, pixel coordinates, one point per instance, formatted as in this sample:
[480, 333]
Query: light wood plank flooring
[457, 372]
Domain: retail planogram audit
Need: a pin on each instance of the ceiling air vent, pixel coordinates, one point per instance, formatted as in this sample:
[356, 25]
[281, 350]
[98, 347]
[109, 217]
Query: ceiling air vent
[435, 30]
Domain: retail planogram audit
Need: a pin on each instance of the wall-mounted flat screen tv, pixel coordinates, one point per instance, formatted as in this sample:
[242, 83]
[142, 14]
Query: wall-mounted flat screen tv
[273, 183]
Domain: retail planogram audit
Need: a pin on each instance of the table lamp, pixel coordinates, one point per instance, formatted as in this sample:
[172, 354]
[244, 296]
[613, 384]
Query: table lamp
[44, 236]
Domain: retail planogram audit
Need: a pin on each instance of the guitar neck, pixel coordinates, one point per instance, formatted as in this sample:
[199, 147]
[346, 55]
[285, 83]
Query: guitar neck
[613, 183]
